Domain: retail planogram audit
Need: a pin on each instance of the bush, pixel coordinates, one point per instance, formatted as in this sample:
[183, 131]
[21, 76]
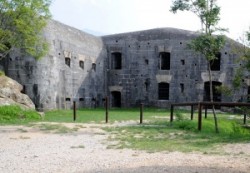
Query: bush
[15, 114]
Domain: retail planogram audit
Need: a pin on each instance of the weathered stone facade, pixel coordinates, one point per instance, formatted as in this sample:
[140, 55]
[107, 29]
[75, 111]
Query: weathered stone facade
[154, 67]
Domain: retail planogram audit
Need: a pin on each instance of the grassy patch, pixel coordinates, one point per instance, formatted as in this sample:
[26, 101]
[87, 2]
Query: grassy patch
[98, 115]
[56, 128]
[181, 135]
[15, 115]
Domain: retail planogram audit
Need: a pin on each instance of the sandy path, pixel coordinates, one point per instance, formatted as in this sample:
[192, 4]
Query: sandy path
[28, 149]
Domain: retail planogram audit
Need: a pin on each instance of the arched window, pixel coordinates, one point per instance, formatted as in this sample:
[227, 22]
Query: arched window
[116, 59]
[164, 60]
[163, 91]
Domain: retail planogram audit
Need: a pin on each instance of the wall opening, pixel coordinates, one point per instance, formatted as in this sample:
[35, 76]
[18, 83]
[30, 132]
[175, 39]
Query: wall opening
[147, 82]
[248, 94]
[182, 87]
[94, 66]
[67, 61]
[81, 99]
[215, 64]
[182, 62]
[116, 99]
[67, 99]
[216, 93]
[163, 91]
[81, 64]
[164, 60]
[23, 90]
[116, 58]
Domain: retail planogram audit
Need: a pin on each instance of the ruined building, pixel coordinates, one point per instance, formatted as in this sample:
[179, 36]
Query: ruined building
[153, 66]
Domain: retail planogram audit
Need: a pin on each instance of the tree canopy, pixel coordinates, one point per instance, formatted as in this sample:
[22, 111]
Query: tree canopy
[21, 26]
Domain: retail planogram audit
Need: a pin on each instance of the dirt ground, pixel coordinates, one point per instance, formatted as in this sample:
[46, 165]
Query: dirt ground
[32, 150]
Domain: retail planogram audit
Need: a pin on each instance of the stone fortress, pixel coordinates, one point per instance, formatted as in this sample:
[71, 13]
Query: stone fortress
[153, 67]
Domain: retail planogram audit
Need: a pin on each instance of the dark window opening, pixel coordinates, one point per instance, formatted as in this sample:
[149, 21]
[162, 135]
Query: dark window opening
[182, 62]
[35, 89]
[164, 60]
[147, 82]
[182, 87]
[24, 89]
[215, 64]
[81, 99]
[163, 91]
[116, 60]
[67, 99]
[67, 61]
[81, 64]
[94, 66]
[116, 99]
[216, 92]
[146, 61]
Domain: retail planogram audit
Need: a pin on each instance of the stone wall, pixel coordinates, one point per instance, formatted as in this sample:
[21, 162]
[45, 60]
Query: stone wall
[153, 66]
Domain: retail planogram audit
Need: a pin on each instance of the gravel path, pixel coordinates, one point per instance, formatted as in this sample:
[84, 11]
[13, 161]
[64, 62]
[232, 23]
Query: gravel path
[30, 150]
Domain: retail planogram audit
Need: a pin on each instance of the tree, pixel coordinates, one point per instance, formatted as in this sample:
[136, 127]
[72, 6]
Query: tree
[21, 26]
[207, 43]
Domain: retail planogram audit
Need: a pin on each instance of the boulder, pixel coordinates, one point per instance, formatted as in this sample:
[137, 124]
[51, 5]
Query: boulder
[10, 93]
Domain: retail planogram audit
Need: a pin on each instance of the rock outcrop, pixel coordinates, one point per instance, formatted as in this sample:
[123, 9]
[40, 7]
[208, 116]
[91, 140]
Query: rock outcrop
[10, 93]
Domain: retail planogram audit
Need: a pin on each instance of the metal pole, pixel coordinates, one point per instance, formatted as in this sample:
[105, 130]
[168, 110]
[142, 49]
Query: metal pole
[199, 116]
[107, 113]
[74, 110]
[141, 113]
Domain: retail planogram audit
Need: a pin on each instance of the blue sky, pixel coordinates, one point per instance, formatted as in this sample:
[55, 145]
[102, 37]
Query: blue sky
[118, 16]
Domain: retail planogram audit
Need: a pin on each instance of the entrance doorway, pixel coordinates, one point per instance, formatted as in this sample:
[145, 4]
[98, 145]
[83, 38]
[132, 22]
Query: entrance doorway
[116, 99]
[216, 93]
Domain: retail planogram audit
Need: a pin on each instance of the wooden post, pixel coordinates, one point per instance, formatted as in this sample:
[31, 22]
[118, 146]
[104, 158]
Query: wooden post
[172, 113]
[199, 116]
[192, 112]
[245, 118]
[106, 107]
[141, 113]
[206, 112]
[74, 110]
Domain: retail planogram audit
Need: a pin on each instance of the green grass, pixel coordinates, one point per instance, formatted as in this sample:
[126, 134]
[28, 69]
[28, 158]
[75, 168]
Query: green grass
[181, 135]
[15, 115]
[98, 115]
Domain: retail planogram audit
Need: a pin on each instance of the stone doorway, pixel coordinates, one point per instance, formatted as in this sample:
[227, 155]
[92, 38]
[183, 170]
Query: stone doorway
[116, 99]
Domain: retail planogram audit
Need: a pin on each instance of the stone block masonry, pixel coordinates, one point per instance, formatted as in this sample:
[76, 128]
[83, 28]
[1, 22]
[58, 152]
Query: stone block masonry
[153, 66]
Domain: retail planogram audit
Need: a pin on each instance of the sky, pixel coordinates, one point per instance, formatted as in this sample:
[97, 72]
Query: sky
[119, 16]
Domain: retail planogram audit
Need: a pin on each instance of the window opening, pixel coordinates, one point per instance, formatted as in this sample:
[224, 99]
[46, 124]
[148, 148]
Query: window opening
[81, 99]
[116, 60]
[94, 66]
[182, 62]
[216, 93]
[67, 61]
[81, 64]
[163, 91]
[182, 87]
[164, 60]
[67, 99]
[215, 64]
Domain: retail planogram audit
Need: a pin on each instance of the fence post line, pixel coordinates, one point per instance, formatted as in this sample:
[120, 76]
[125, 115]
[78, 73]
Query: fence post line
[141, 113]
[245, 118]
[74, 110]
[199, 116]
[172, 113]
[192, 112]
[106, 108]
